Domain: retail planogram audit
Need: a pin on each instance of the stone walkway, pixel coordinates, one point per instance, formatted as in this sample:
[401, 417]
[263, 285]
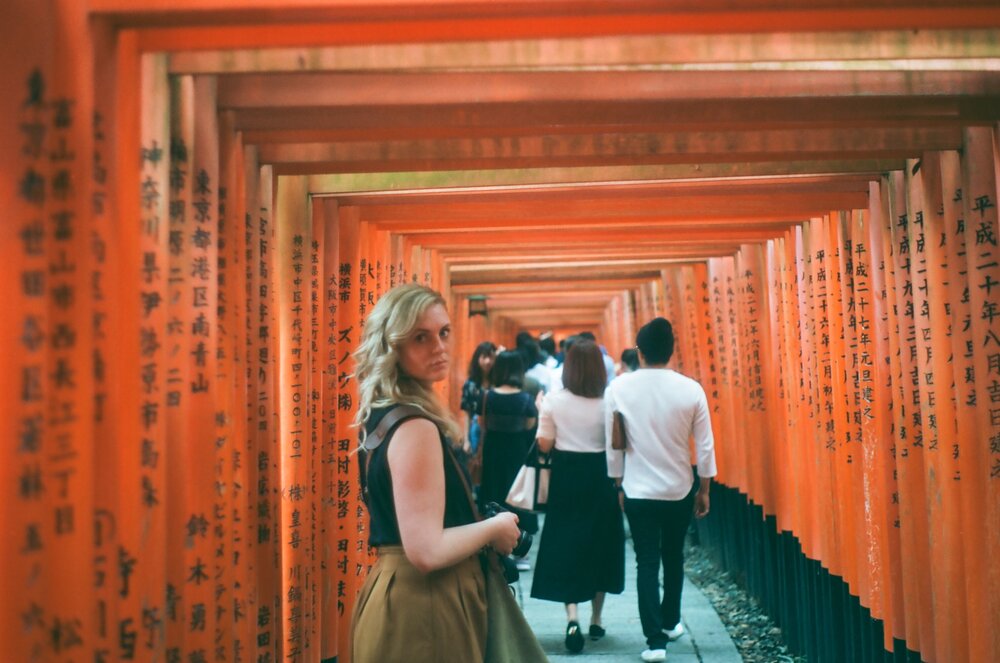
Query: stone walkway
[706, 639]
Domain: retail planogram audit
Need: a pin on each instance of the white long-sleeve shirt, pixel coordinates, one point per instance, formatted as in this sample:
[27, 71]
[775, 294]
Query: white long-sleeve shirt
[663, 410]
[543, 374]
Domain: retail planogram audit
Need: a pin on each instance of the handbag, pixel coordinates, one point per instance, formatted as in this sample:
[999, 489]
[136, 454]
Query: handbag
[618, 436]
[509, 638]
[530, 489]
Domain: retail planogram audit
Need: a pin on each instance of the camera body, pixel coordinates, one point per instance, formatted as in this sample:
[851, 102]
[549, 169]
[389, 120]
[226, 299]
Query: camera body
[524, 539]
[521, 548]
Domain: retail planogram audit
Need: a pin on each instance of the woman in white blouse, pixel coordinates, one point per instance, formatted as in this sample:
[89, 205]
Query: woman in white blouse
[581, 556]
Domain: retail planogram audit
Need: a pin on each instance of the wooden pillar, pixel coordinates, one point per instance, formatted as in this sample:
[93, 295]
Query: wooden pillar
[262, 412]
[348, 335]
[943, 511]
[886, 345]
[234, 277]
[293, 240]
[982, 480]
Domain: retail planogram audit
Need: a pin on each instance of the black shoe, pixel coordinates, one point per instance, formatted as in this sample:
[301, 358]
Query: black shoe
[596, 632]
[574, 638]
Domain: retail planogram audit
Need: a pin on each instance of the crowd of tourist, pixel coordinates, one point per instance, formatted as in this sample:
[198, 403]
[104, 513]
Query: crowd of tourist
[617, 438]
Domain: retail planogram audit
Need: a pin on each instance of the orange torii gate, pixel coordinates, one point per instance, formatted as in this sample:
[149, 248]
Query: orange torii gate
[187, 292]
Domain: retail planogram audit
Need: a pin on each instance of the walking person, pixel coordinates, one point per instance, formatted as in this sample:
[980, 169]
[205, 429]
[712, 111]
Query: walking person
[630, 361]
[509, 421]
[581, 556]
[473, 394]
[662, 410]
[425, 598]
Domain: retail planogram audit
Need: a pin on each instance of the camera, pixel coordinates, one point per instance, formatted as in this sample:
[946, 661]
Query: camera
[524, 539]
[521, 548]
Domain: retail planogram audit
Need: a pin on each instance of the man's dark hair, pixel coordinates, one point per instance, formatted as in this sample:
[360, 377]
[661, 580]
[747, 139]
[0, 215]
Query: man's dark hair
[531, 353]
[568, 342]
[508, 369]
[548, 344]
[630, 358]
[522, 339]
[656, 341]
[588, 335]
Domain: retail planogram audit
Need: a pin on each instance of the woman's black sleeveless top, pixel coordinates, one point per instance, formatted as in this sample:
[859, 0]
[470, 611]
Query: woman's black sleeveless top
[384, 529]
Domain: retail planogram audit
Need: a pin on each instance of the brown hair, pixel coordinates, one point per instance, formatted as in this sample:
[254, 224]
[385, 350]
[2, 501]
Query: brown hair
[584, 373]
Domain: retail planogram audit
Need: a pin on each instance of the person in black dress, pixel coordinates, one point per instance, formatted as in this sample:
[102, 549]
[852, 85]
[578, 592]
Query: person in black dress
[508, 428]
[473, 392]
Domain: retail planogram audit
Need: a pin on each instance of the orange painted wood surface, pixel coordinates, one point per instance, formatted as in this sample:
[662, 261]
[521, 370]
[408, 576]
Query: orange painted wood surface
[183, 308]
[24, 327]
[979, 211]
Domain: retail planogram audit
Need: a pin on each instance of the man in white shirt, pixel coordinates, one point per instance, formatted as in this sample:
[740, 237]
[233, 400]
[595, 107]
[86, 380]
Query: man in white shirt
[662, 410]
[609, 363]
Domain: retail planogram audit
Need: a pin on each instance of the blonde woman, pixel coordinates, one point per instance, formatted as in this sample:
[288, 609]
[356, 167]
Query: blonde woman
[425, 598]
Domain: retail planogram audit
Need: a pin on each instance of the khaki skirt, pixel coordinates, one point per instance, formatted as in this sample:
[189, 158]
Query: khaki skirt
[404, 615]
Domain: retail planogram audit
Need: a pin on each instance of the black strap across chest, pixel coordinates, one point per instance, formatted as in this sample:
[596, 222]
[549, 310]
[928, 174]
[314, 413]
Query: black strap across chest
[385, 428]
[393, 418]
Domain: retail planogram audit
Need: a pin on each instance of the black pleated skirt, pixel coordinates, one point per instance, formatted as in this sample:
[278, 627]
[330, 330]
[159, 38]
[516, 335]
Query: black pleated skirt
[503, 455]
[582, 548]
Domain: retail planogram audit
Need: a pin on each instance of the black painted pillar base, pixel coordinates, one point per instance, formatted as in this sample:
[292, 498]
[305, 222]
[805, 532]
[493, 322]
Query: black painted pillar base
[818, 616]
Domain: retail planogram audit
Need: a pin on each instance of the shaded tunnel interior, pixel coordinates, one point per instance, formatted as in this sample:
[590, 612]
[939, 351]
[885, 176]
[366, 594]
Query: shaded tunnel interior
[204, 199]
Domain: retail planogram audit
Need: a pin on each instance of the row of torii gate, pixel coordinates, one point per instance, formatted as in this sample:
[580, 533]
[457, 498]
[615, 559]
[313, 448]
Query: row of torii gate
[204, 197]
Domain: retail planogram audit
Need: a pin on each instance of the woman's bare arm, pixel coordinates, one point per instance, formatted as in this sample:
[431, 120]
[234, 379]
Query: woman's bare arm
[416, 463]
[466, 423]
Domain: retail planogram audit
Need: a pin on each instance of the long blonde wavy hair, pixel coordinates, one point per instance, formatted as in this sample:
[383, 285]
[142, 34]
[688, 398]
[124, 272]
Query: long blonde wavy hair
[380, 381]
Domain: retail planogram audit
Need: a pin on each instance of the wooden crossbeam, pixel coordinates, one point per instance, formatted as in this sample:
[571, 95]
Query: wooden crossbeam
[606, 149]
[665, 208]
[544, 283]
[567, 275]
[557, 252]
[659, 236]
[804, 49]
[177, 25]
[343, 90]
[384, 120]
[809, 183]
[346, 183]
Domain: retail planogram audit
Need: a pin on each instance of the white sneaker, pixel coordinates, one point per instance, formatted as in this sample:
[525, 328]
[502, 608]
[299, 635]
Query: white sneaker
[654, 655]
[676, 631]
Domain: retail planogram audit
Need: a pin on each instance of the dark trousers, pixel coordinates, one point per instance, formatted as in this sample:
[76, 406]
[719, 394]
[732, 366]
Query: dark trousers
[658, 528]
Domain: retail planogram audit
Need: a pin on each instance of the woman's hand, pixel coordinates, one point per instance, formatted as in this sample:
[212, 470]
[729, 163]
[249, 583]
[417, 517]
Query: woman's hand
[505, 532]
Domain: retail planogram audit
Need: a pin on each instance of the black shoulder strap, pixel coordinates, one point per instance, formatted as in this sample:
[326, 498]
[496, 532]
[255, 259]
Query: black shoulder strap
[393, 418]
[385, 428]
[382, 432]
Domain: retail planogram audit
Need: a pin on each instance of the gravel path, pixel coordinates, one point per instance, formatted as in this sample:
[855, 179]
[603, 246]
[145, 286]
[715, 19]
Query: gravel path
[755, 634]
